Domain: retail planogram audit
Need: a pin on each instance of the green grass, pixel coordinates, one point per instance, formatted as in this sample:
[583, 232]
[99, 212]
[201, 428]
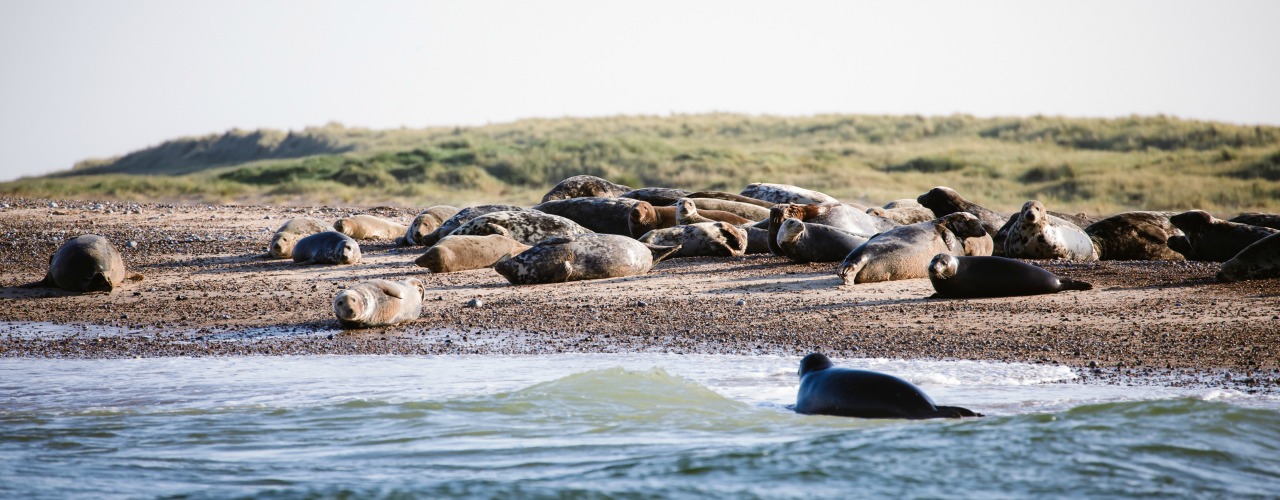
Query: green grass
[1095, 166]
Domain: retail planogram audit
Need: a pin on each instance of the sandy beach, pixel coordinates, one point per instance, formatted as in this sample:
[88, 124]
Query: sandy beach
[208, 292]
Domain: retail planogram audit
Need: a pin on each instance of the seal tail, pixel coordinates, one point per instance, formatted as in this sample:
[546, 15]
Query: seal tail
[661, 253]
[848, 270]
[47, 282]
[1070, 284]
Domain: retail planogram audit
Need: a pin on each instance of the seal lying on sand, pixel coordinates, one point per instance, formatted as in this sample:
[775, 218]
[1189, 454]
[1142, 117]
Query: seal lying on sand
[465, 252]
[601, 215]
[379, 303]
[845, 392]
[903, 215]
[528, 227]
[944, 201]
[784, 193]
[657, 196]
[582, 186]
[1037, 235]
[464, 216]
[805, 242]
[426, 223]
[1134, 236]
[965, 277]
[749, 211]
[368, 227]
[687, 213]
[829, 214]
[1212, 239]
[721, 195]
[86, 263]
[1260, 260]
[701, 240]
[287, 236]
[582, 257]
[1257, 219]
[904, 252]
[329, 247]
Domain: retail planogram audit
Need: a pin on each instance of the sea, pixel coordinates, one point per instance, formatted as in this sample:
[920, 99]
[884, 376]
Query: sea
[607, 426]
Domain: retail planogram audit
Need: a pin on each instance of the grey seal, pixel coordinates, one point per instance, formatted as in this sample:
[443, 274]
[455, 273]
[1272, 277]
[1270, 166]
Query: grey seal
[904, 252]
[987, 276]
[379, 303]
[944, 201]
[584, 186]
[1257, 219]
[1135, 236]
[846, 392]
[86, 263]
[1259, 260]
[464, 216]
[701, 240]
[329, 247]
[369, 227]
[465, 252]
[1212, 239]
[601, 215]
[426, 222]
[657, 196]
[784, 193]
[830, 214]
[528, 227]
[282, 242]
[1037, 235]
[805, 242]
[582, 257]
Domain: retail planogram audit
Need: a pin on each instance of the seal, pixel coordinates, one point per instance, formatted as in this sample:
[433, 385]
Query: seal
[972, 277]
[287, 236]
[944, 201]
[903, 203]
[903, 215]
[379, 303]
[1037, 235]
[751, 212]
[1257, 219]
[784, 193]
[602, 215]
[687, 213]
[582, 257]
[805, 242]
[426, 222]
[657, 196]
[329, 247]
[904, 252]
[721, 195]
[1212, 239]
[528, 227]
[701, 240]
[830, 214]
[584, 186]
[368, 227]
[641, 220]
[465, 252]
[846, 392]
[1057, 218]
[464, 216]
[1135, 236]
[86, 263]
[1259, 260]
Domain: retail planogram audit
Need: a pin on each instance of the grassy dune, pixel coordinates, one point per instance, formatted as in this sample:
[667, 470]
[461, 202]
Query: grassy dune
[1087, 165]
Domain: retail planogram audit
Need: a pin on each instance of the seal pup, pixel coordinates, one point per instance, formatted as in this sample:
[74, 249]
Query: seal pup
[904, 252]
[379, 303]
[987, 276]
[584, 186]
[701, 240]
[281, 246]
[528, 227]
[427, 222]
[805, 242]
[1259, 260]
[1212, 239]
[368, 227]
[1257, 219]
[1037, 235]
[86, 263]
[329, 247]
[458, 252]
[944, 201]
[785, 193]
[464, 216]
[657, 196]
[1136, 235]
[830, 214]
[846, 392]
[601, 215]
[582, 257]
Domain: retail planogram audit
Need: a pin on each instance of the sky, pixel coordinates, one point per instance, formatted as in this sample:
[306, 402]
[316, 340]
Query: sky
[95, 79]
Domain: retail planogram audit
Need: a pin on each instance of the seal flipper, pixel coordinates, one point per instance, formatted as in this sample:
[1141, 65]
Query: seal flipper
[661, 252]
[948, 412]
[389, 290]
[47, 282]
[1070, 284]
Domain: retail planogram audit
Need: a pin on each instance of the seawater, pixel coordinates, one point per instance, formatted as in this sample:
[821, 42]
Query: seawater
[596, 426]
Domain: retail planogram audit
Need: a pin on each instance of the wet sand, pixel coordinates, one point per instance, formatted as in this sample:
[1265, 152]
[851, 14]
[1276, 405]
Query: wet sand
[207, 292]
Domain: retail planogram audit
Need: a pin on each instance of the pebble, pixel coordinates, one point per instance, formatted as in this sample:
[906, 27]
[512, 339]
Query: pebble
[475, 303]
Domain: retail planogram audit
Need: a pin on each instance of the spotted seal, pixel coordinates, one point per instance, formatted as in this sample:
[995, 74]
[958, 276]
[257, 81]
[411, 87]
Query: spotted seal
[784, 193]
[584, 186]
[582, 257]
[1037, 235]
[846, 392]
[368, 227]
[528, 227]
[1135, 236]
[464, 216]
[458, 252]
[1212, 239]
[904, 252]
[702, 239]
[1259, 260]
[805, 242]
[282, 242]
[379, 303]
[86, 263]
[987, 276]
[830, 214]
[601, 215]
[426, 222]
[328, 247]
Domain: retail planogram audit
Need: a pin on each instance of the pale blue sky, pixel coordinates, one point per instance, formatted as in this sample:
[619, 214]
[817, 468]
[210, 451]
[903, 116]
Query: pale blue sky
[102, 78]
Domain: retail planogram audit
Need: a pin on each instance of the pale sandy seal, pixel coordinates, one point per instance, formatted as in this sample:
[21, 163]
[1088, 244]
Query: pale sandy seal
[784, 193]
[1259, 260]
[1213, 239]
[657, 196]
[1037, 235]
[287, 236]
[903, 203]
[904, 252]
[368, 227]
[703, 239]
[721, 195]
[86, 263]
[805, 242]
[601, 215]
[747, 211]
[528, 227]
[329, 247]
[944, 201]
[465, 252]
[426, 222]
[584, 186]
[379, 303]
[687, 213]
[464, 216]
[582, 257]
[903, 215]
[830, 214]
[1257, 219]
[964, 277]
[1135, 236]
[845, 392]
